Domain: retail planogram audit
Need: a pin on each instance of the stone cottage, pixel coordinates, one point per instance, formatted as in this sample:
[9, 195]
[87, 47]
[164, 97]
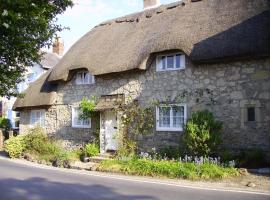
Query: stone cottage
[188, 55]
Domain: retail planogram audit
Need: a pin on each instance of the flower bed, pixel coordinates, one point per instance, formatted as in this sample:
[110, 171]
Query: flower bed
[168, 168]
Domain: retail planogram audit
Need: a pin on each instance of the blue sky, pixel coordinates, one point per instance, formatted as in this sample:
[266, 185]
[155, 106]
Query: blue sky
[85, 14]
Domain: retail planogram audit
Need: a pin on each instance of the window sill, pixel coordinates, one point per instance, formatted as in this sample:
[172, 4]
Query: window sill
[169, 129]
[86, 84]
[168, 70]
[82, 127]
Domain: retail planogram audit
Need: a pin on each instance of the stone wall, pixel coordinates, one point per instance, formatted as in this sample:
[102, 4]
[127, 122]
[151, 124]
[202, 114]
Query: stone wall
[234, 86]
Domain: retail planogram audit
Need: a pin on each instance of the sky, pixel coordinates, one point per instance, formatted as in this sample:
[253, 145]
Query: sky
[85, 14]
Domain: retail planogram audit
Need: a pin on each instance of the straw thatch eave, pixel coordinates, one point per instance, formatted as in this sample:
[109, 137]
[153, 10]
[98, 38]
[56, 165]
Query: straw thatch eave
[195, 28]
[39, 94]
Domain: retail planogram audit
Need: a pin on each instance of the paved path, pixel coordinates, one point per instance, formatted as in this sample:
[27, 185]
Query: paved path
[24, 182]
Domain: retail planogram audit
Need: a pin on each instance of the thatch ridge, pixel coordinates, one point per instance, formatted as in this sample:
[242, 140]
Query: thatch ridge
[125, 43]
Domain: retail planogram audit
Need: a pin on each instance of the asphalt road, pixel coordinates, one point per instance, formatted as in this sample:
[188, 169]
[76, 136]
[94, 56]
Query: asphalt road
[23, 182]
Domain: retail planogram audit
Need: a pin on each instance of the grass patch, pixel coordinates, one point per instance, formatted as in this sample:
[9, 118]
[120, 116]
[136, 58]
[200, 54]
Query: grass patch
[170, 169]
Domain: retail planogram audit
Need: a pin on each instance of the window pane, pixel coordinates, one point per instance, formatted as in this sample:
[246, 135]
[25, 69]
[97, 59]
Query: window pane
[163, 62]
[251, 114]
[178, 116]
[42, 118]
[86, 122]
[164, 116]
[85, 78]
[177, 61]
[170, 62]
[17, 114]
[79, 78]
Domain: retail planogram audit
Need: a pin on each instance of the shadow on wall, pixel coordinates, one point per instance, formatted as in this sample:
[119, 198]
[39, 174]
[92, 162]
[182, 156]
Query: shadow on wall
[42, 189]
[251, 37]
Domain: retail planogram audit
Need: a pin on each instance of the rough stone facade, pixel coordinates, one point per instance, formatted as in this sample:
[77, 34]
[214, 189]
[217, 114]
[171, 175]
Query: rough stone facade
[234, 87]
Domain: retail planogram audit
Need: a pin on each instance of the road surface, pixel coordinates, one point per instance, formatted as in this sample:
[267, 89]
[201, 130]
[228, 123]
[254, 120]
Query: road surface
[20, 181]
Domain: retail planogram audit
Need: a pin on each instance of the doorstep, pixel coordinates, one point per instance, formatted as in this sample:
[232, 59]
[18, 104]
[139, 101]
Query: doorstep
[98, 159]
[89, 166]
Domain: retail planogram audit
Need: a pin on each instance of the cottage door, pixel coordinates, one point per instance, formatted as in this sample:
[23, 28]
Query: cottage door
[110, 126]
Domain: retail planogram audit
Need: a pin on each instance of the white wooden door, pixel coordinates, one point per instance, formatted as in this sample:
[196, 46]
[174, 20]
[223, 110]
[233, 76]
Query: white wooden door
[110, 126]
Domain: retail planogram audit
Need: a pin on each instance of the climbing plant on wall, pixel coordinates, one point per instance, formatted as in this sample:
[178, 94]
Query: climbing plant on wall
[87, 107]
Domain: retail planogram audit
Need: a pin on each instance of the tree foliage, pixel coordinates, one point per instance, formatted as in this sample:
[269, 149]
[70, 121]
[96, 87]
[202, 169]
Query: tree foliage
[26, 26]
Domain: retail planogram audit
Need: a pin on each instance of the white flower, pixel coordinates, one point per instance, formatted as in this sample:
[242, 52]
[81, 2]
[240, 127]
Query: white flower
[5, 25]
[5, 13]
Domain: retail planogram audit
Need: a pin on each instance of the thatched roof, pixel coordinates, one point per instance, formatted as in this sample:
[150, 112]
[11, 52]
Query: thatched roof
[39, 93]
[49, 60]
[205, 30]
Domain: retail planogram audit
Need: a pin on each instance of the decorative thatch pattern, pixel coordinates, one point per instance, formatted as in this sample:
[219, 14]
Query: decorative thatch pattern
[206, 30]
[39, 93]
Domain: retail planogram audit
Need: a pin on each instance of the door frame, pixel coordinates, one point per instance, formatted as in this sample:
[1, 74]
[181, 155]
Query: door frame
[103, 130]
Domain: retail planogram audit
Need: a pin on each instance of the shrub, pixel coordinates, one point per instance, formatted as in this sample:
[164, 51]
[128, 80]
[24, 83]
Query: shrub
[171, 169]
[5, 124]
[36, 140]
[202, 133]
[91, 149]
[127, 149]
[15, 146]
[170, 152]
[252, 158]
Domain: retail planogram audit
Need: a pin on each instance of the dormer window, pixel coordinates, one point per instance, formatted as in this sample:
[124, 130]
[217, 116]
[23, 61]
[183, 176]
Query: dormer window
[84, 78]
[168, 62]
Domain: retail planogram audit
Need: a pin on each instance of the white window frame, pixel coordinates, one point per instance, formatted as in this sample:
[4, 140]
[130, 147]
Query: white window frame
[182, 62]
[74, 125]
[171, 128]
[87, 81]
[39, 122]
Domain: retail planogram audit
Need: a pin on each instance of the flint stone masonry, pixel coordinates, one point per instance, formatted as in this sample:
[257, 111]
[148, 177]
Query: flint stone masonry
[231, 84]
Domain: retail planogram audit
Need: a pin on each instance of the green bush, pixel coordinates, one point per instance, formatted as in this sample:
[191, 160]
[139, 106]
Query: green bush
[36, 140]
[170, 152]
[251, 158]
[202, 133]
[91, 149]
[15, 146]
[170, 169]
[5, 124]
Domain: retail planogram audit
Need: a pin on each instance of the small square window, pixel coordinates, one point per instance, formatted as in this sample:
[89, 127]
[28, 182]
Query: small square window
[84, 78]
[17, 114]
[251, 114]
[77, 122]
[170, 62]
[37, 117]
[170, 117]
